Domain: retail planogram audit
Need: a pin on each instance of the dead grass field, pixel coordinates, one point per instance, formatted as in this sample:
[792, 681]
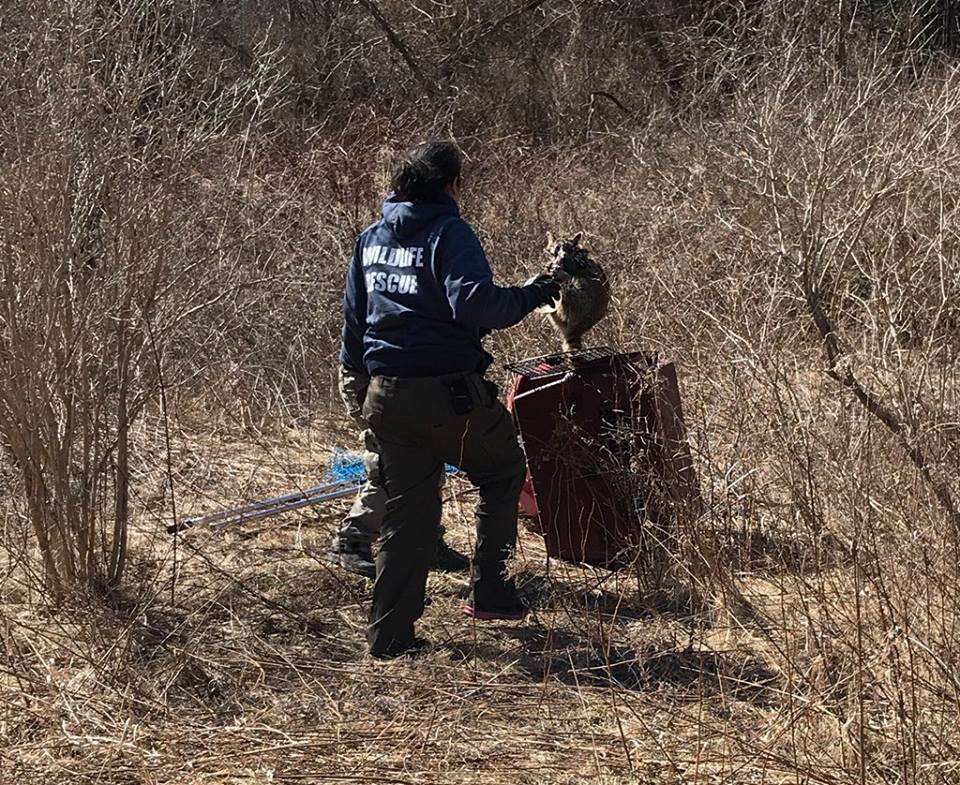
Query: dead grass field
[248, 666]
[255, 671]
[773, 189]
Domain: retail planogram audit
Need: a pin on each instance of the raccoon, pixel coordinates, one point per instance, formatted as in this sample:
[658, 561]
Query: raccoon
[584, 298]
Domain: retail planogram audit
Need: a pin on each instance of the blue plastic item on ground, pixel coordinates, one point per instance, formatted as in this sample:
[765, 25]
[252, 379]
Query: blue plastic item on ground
[346, 466]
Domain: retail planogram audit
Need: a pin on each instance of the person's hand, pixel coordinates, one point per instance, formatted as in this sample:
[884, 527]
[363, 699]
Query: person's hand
[547, 288]
[353, 391]
[559, 272]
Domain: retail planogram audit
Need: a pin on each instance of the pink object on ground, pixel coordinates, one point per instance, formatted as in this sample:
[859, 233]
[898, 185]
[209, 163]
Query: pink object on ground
[528, 502]
[479, 615]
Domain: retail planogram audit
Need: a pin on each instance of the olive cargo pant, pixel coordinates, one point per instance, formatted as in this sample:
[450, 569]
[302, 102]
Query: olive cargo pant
[418, 429]
[361, 526]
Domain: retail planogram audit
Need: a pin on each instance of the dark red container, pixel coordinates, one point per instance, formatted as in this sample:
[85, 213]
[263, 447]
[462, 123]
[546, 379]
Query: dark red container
[609, 465]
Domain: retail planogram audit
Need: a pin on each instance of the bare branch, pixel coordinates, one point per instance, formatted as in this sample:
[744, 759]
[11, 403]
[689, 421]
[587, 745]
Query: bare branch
[399, 45]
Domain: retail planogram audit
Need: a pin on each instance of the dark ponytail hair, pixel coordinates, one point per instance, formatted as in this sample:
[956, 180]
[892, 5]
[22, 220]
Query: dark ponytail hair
[425, 170]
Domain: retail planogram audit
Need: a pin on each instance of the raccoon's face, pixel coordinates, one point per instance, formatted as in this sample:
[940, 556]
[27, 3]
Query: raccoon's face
[568, 253]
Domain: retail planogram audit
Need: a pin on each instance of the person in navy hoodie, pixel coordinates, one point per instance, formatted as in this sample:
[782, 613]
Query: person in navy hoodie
[419, 300]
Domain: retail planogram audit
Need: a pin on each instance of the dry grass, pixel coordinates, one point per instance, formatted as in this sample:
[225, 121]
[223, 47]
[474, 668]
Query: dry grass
[239, 658]
[255, 670]
[781, 218]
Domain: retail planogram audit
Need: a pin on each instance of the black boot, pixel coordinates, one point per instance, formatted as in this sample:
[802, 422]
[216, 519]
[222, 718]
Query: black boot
[494, 595]
[353, 557]
[414, 648]
[449, 560]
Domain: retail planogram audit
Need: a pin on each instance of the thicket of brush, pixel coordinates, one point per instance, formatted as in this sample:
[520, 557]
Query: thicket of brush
[773, 187]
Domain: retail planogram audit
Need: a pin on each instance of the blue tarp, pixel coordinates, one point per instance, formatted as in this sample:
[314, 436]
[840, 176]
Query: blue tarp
[347, 466]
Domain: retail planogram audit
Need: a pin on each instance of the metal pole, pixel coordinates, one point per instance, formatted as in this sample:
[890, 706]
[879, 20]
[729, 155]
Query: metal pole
[295, 505]
[271, 506]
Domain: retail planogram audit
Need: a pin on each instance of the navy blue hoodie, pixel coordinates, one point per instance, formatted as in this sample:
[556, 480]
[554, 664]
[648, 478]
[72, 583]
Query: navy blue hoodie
[420, 294]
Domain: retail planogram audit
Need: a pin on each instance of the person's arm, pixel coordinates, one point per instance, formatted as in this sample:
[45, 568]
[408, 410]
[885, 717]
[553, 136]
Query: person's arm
[354, 315]
[474, 298]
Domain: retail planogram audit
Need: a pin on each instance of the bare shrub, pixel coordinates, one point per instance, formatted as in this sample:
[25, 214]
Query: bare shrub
[103, 260]
[771, 187]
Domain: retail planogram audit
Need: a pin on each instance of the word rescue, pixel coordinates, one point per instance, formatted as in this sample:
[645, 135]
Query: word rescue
[383, 281]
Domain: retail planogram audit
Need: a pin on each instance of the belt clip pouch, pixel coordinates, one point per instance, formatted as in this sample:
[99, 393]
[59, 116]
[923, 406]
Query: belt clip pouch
[460, 396]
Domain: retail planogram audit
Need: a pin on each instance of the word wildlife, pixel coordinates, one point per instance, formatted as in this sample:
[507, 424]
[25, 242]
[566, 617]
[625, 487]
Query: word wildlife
[381, 281]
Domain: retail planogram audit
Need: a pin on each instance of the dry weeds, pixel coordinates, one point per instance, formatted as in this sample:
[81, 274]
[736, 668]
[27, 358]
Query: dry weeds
[777, 208]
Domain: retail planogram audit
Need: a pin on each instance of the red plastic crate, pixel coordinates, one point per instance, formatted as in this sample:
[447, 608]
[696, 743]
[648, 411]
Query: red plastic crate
[608, 461]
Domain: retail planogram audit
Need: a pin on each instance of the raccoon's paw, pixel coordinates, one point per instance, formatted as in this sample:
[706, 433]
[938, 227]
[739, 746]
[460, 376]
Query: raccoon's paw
[549, 307]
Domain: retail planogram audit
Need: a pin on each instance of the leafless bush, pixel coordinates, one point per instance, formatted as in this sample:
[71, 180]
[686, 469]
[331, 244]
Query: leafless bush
[771, 187]
[103, 261]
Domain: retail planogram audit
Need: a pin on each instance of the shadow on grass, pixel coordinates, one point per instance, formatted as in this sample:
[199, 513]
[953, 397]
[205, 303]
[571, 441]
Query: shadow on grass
[572, 655]
[544, 654]
[204, 651]
[585, 600]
